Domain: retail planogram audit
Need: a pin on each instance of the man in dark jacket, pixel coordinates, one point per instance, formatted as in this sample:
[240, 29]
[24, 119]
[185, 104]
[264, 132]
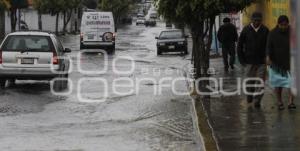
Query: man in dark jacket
[252, 55]
[228, 35]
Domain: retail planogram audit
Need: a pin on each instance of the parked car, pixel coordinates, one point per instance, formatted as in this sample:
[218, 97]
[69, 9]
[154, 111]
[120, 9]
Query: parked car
[98, 31]
[172, 41]
[140, 21]
[150, 22]
[33, 55]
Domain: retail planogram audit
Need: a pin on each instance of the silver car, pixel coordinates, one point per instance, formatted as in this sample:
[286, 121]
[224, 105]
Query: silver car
[33, 55]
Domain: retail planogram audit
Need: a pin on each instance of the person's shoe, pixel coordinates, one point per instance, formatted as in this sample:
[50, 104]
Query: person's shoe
[280, 107]
[249, 99]
[292, 106]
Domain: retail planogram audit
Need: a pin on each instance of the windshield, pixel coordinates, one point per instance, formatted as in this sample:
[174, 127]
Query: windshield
[27, 43]
[170, 35]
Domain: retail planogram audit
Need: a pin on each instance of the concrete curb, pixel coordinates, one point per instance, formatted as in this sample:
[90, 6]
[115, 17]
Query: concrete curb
[204, 127]
[204, 134]
[199, 138]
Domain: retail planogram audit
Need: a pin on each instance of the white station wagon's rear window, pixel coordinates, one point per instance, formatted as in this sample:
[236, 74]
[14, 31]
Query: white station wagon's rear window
[27, 43]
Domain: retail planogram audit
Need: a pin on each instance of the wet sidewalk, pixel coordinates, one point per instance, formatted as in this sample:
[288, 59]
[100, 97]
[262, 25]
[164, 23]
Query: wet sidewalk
[238, 126]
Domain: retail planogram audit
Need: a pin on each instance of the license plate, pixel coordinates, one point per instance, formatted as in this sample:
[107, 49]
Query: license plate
[90, 36]
[171, 47]
[27, 61]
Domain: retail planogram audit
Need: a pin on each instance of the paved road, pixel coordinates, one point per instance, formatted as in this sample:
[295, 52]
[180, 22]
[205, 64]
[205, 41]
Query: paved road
[33, 118]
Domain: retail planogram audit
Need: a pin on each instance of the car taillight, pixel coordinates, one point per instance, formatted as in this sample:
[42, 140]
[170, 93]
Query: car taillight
[81, 36]
[0, 56]
[55, 58]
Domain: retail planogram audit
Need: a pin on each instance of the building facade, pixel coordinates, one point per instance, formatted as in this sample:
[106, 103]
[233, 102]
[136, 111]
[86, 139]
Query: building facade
[271, 10]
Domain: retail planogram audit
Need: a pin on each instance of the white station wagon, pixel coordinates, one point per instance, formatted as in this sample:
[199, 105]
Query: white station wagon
[33, 55]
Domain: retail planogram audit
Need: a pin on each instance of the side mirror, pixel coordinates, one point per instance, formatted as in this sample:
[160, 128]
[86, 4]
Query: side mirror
[156, 37]
[67, 50]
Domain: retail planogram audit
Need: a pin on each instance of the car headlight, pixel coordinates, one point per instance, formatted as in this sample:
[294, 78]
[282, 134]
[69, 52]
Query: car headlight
[180, 43]
[161, 44]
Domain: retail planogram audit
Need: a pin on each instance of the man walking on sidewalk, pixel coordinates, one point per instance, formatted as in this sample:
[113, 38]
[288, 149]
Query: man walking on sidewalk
[252, 54]
[228, 35]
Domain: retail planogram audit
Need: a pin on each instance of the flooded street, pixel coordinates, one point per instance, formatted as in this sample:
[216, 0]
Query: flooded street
[145, 114]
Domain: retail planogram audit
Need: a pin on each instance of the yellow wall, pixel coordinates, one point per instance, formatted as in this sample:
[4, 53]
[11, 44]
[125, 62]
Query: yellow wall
[271, 10]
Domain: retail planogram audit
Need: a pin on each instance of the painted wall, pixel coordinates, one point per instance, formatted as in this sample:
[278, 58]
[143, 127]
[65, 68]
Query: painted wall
[30, 16]
[271, 10]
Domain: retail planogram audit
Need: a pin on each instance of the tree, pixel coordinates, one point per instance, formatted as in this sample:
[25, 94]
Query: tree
[40, 7]
[69, 7]
[52, 7]
[199, 17]
[2, 20]
[13, 6]
[119, 8]
[55, 7]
